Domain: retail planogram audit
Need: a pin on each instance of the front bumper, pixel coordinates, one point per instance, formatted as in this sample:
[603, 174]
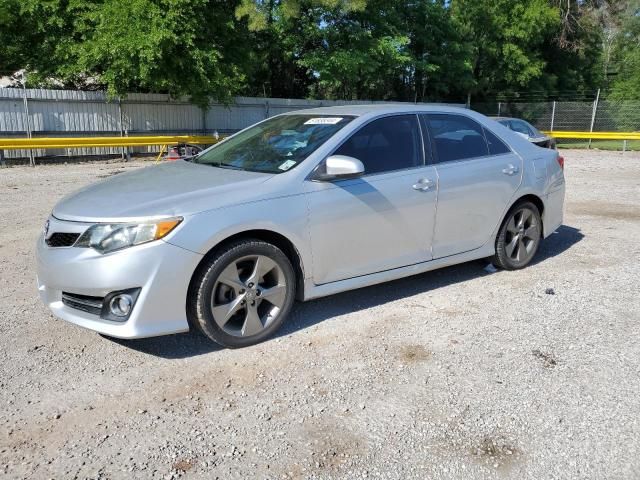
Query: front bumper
[162, 271]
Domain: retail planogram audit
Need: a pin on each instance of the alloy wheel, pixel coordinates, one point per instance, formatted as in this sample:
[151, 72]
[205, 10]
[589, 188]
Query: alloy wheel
[522, 235]
[248, 295]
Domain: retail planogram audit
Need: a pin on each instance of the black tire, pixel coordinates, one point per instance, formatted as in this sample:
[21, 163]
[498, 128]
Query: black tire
[519, 237]
[208, 288]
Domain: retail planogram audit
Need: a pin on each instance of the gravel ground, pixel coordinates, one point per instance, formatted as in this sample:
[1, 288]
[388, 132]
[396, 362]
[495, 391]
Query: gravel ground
[458, 373]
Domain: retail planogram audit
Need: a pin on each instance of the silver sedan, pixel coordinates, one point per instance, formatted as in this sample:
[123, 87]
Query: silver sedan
[299, 206]
[528, 131]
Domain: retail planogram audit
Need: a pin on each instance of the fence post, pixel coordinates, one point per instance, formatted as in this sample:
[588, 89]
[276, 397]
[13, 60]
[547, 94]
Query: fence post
[553, 115]
[126, 134]
[32, 161]
[121, 126]
[593, 115]
[266, 108]
[2, 162]
[499, 109]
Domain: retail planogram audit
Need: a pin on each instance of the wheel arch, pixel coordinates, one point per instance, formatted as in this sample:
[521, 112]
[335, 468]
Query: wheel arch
[269, 236]
[529, 197]
[499, 242]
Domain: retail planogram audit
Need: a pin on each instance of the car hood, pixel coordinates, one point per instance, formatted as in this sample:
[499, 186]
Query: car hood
[169, 189]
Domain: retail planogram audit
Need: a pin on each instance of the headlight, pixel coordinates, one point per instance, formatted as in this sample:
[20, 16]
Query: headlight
[106, 238]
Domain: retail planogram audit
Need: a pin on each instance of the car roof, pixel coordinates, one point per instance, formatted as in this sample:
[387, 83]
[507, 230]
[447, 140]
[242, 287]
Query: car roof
[360, 110]
[366, 111]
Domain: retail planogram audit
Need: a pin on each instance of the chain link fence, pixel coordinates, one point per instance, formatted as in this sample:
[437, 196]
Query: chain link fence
[601, 115]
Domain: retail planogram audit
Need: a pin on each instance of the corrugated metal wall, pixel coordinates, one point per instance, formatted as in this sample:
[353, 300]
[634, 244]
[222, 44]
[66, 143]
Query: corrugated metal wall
[79, 113]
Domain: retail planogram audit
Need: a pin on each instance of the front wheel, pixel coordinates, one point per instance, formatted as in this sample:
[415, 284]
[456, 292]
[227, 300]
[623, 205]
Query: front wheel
[519, 237]
[243, 294]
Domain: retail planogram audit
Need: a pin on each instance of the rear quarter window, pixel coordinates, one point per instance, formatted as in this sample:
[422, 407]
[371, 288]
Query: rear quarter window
[496, 146]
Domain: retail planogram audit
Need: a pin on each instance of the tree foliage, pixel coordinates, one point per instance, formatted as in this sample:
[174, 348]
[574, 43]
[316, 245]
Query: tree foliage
[627, 56]
[416, 50]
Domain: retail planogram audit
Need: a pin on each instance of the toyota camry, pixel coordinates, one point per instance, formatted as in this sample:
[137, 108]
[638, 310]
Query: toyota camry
[299, 206]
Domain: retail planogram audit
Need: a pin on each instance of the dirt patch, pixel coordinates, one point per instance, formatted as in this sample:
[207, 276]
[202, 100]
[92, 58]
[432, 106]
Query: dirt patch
[548, 359]
[414, 354]
[333, 446]
[496, 451]
[451, 312]
[183, 465]
[613, 211]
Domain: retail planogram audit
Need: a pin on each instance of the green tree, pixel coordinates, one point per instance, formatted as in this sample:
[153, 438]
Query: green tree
[506, 38]
[285, 33]
[355, 56]
[33, 34]
[626, 85]
[11, 58]
[181, 47]
[277, 37]
[416, 50]
[441, 57]
[580, 53]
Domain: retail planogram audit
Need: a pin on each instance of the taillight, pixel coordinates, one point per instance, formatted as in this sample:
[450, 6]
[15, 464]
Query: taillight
[561, 161]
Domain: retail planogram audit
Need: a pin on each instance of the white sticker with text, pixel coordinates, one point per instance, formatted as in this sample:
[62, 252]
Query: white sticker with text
[323, 121]
[287, 165]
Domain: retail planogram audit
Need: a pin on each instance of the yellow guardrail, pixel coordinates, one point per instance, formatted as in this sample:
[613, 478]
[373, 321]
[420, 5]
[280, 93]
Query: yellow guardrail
[88, 142]
[596, 135]
[136, 141]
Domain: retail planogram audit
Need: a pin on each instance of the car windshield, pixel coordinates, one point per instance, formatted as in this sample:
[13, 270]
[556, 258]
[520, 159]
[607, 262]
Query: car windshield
[276, 145]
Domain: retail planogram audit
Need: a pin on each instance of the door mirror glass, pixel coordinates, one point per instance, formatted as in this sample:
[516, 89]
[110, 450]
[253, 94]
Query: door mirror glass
[340, 166]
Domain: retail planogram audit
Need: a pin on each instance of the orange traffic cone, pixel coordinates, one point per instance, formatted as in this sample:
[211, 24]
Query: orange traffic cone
[173, 154]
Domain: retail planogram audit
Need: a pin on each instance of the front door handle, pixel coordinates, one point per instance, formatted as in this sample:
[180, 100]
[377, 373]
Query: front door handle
[510, 170]
[424, 184]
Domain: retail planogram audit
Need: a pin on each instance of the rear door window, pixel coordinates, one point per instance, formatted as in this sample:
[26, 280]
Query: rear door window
[456, 137]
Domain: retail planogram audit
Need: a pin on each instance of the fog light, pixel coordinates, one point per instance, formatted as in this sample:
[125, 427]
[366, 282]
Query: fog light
[120, 305]
[117, 306]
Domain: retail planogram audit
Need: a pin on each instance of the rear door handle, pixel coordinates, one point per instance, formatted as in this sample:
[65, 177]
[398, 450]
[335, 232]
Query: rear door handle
[510, 170]
[424, 184]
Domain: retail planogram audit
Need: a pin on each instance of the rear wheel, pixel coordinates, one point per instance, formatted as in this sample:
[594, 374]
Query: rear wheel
[519, 237]
[243, 294]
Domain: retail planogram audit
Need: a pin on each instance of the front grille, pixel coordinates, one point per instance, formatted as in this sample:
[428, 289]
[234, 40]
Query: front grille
[61, 239]
[83, 302]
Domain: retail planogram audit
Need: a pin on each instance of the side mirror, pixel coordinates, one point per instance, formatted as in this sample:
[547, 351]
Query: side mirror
[340, 166]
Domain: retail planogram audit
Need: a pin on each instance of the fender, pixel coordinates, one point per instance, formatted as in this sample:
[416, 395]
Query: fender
[286, 216]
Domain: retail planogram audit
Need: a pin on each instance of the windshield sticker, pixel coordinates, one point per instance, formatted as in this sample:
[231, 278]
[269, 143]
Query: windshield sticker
[323, 121]
[287, 165]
